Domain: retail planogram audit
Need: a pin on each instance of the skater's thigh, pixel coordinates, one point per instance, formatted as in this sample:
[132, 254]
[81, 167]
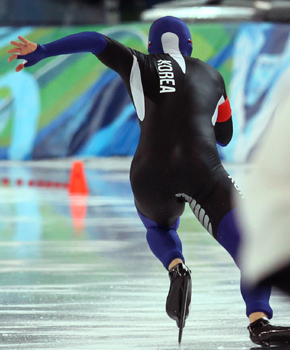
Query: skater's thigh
[155, 196]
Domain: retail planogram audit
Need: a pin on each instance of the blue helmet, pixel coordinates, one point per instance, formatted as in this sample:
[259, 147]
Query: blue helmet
[174, 26]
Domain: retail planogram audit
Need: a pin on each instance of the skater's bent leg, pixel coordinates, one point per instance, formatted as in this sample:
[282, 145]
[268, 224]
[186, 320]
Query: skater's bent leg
[256, 299]
[164, 242]
[166, 246]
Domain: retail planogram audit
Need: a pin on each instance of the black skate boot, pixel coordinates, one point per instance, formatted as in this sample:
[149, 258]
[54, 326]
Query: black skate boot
[262, 332]
[179, 296]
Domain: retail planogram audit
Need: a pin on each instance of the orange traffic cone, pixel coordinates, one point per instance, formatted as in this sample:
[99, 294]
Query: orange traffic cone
[78, 191]
[78, 183]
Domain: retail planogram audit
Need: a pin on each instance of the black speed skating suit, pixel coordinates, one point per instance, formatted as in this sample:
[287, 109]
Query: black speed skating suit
[177, 158]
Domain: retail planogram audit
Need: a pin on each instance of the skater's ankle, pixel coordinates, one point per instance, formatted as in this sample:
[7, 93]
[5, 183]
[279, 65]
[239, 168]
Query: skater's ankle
[256, 315]
[174, 263]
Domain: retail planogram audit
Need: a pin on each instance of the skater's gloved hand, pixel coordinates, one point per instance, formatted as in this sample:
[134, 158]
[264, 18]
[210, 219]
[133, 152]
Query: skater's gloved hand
[26, 50]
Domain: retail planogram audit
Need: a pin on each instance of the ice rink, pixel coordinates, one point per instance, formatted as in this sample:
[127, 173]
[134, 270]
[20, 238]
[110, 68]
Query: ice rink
[93, 283]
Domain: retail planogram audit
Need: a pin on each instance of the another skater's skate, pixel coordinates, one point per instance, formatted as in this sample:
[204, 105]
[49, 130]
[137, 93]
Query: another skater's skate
[179, 296]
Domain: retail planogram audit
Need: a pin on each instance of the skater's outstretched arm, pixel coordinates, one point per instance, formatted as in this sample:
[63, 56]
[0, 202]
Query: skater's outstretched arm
[109, 51]
[32, 53]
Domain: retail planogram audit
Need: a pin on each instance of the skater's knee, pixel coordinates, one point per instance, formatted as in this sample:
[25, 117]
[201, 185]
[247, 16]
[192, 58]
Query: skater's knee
[151, 224]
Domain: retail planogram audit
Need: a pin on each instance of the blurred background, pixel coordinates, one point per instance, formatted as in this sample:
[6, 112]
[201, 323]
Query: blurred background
[72, 106]
[74, 12]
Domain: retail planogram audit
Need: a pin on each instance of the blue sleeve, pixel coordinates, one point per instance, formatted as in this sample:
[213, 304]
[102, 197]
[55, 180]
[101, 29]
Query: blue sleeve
[82, 42]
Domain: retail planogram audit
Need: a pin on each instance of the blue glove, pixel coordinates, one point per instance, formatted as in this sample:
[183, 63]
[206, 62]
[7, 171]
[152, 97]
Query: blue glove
[33, 57]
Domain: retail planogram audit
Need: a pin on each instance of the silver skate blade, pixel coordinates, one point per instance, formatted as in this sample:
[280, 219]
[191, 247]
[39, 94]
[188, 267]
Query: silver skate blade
[183, 310]
[180, 335]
